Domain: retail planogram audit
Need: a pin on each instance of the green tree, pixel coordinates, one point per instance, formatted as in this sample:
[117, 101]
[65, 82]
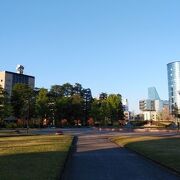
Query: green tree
[57, 91]
[95, 111]
[42, 104]
[5, 106]
[108, 109]
[69, 108]
[114, 107]
[63, 108]
[103, 96]
[67, 89]
[99, 111]
[78, 89]
[71, 102]
[76, 107]
[87, 100]
[23, 101]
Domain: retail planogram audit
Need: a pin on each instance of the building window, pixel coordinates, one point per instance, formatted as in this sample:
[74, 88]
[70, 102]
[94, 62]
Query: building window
[172, 91]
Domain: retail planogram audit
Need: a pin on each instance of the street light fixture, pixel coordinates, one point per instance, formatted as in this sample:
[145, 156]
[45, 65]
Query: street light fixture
[27, 117]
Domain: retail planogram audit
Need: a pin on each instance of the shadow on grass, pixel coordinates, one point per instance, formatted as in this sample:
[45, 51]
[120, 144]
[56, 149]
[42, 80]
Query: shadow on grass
[42, 165]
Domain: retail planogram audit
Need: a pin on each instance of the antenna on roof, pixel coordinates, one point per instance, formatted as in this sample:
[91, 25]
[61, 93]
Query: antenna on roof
[20, 69]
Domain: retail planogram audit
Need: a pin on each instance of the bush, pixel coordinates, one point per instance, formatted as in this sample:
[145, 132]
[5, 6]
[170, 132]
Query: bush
[138, 123]
[11, 125]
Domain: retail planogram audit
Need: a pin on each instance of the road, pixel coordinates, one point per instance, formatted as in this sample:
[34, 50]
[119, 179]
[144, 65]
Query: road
[96, 158]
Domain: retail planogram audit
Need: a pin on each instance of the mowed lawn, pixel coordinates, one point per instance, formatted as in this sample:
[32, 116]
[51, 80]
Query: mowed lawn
[165, 150]
[33, 157]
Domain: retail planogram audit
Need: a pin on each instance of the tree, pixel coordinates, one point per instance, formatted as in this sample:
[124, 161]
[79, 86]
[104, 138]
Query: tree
[57, 91]
[5, 106]
[69, 108]
[95, 111]
[77, 89]
[165, 114]
[42, 104]
[76, 108]
[63, 108]
[67, 89]
[99, 111]
[114, 103]
[108, 109]
[175, 110]
[104, 112]
[87, 100]
[23, 101]
[103, 96]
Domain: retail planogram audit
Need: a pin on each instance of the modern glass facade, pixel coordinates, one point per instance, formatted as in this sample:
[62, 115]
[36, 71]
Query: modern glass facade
[153, 94]
[174, 84]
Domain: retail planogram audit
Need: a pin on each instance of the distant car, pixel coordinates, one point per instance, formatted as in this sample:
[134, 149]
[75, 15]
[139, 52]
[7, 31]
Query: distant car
[59, 133]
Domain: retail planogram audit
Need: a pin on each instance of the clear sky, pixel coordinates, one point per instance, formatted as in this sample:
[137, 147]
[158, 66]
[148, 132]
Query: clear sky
[113, 46]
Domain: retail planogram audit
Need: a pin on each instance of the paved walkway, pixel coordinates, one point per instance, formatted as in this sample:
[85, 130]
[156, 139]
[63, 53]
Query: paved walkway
[96, 158]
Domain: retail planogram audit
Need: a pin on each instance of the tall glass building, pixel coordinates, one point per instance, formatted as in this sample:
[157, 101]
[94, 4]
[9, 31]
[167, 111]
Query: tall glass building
[173, 69]
[153, 94]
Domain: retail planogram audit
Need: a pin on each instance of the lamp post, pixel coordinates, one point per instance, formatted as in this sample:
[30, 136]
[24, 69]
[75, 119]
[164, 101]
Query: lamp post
[51, 106]
[27, 117]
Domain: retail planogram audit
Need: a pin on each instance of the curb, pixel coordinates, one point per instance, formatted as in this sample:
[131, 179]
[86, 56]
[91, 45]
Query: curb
[171, 170]
[68, 157]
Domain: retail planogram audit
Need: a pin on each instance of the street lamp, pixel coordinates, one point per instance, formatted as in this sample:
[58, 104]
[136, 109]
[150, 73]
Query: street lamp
[27, 117]
[51, 106]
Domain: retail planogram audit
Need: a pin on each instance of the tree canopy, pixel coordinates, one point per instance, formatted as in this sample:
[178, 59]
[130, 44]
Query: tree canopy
[62, 104]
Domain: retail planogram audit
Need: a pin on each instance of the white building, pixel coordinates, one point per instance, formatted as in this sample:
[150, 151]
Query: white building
[9, 79]
[152, 106]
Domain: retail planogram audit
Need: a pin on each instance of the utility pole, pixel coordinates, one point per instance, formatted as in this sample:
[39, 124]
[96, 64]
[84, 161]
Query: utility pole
[27, 120]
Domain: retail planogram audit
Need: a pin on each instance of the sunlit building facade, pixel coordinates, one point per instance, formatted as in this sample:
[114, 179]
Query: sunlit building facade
[9, 79]
[152, 106]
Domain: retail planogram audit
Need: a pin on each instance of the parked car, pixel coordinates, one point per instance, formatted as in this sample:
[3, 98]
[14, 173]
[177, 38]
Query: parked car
[59, 132]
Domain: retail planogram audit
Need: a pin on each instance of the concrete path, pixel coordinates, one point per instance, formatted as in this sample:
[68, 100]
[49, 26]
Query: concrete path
[96, 158]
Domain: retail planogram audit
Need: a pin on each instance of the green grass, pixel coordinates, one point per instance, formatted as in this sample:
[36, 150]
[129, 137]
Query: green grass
[162, 149]
[33, 157]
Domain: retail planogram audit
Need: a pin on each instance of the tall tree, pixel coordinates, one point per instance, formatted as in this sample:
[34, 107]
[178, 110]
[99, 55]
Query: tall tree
[42, 104]
[67, 89]
[5, 106]
[175, 110]
[57, 91]
[95, 110]
[103, 96]
[107, 109]
[87, 100]
[63, 108]
[23, 101]
[114, 106]
[77, 89]
[76, 107]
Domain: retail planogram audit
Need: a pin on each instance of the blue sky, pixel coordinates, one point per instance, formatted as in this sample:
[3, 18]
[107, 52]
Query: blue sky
[113, 46]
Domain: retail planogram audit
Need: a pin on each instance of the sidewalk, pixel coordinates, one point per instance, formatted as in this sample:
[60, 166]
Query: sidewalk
[96, 158]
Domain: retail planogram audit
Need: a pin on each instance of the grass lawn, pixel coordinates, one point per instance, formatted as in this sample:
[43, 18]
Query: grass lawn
[162, 149]
[33, 157]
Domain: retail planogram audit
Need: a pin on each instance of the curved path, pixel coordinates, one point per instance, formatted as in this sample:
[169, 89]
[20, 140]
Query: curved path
[96, 158]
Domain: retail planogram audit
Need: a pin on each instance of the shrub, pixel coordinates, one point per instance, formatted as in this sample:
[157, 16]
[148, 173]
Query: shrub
[11, 125]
